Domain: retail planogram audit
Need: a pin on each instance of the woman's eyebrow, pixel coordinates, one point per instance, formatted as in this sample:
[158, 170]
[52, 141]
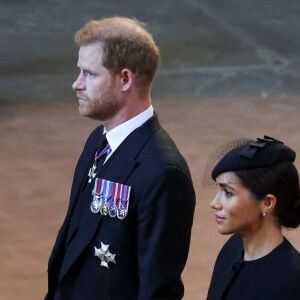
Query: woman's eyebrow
[225, 185]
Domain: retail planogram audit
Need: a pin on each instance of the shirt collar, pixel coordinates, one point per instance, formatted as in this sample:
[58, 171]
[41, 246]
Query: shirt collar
[118, 134]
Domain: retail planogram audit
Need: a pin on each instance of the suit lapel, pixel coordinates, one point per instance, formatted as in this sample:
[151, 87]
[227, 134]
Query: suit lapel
[80, 176]
[118, 168]
[82, 169]
[123, 160]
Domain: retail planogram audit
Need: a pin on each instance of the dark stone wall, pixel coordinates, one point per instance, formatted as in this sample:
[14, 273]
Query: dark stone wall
[210, 48]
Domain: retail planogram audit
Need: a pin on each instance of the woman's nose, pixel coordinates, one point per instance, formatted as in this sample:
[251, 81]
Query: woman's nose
[216, 204]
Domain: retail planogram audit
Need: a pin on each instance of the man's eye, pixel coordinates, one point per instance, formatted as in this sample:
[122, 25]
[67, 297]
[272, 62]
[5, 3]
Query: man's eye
[88, 73]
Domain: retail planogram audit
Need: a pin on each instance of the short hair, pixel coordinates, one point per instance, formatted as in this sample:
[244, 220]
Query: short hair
[126, 44]
[280, 180]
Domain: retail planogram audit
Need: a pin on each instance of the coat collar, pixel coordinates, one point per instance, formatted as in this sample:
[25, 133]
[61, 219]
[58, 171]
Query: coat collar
[231, 272]
[228, 266]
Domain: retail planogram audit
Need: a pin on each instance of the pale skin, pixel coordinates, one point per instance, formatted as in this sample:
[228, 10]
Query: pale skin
[111, 99]
[237, 212]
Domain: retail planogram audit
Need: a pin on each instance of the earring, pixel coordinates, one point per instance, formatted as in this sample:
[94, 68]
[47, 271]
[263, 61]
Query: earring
[264, 214]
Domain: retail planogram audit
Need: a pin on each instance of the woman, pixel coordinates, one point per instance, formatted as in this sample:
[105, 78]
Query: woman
[258, 193]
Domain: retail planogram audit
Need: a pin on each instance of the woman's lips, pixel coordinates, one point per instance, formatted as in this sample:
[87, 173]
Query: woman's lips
[218, 218]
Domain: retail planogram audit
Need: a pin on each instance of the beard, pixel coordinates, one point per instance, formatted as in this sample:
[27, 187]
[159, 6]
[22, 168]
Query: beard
[103, 107]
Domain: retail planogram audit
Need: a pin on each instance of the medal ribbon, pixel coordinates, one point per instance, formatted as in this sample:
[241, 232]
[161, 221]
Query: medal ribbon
[104, 190]
[120, 195]
[124, 196]
[114, 194]
[127, 198]
[111, 201]
[117, 193]
[108, 189]
[92, 171]
[104, 151]
[95, 193]
[98, 188]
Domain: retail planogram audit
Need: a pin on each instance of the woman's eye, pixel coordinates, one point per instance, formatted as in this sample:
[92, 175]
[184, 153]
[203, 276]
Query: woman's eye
[228, 193]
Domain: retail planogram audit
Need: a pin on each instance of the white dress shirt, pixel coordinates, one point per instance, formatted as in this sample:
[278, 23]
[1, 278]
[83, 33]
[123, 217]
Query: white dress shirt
[117, 135]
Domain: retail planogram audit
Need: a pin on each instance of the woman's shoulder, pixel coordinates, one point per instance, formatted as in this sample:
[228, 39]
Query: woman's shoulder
[284, 269]
[288, 246]
[233, 244]
[291, 256]
[231, 252]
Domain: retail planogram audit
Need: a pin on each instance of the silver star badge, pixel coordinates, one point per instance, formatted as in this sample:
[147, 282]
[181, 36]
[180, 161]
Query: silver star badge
[104, 255]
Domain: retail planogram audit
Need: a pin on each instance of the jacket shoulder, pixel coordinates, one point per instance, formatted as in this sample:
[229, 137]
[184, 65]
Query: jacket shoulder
[160, 151]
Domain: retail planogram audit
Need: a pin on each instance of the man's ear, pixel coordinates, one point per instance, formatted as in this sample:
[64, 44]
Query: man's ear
[268, 203]
[127, 79]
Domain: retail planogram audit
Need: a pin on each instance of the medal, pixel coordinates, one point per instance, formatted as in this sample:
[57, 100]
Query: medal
[124, 202]
[95, 206]
[110, 198]
[121, 213]
[113, 210]
[92, 172]
[104, 208]
[104, 255]
[97, 195]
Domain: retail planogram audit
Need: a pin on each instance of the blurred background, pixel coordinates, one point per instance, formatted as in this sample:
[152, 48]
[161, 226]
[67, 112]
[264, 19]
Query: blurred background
[230, 69]
[208, 46]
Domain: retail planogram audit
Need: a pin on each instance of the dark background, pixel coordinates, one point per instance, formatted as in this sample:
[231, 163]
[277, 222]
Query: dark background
[210, 48]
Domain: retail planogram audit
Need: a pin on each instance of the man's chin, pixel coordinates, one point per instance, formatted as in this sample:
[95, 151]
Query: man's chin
[88, 114]
[83, 111]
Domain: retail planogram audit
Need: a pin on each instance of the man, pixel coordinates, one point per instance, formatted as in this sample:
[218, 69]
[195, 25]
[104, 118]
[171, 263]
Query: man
[127, 230]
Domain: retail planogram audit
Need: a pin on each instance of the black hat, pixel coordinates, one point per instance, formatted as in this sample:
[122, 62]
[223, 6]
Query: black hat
[254, 154]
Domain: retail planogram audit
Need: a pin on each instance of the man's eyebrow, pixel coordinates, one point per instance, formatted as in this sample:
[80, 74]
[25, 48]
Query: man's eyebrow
[85, 69]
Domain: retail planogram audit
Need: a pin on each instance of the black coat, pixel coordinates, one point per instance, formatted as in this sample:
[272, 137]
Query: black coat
[151, 244]
[275, 276]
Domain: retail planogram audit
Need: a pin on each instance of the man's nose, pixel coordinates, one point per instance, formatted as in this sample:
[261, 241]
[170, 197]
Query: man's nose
[79, 83]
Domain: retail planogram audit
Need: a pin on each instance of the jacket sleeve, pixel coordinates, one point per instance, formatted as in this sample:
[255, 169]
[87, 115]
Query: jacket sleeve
[165, 217]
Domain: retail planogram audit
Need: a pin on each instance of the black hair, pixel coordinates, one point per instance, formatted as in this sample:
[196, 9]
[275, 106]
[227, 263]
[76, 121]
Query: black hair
[280, 180]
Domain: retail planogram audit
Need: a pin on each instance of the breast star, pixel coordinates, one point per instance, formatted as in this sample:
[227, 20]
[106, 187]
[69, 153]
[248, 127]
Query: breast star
[104, 255]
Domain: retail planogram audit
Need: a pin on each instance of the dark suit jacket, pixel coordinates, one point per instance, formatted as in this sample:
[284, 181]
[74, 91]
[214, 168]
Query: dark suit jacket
[275, 276]
[151, 244]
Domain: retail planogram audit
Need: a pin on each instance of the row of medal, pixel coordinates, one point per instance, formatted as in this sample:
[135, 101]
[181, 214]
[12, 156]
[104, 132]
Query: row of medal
[110, 198]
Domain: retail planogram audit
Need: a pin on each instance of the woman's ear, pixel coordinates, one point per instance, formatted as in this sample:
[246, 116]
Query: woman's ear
[127, 79]
[268, 204]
